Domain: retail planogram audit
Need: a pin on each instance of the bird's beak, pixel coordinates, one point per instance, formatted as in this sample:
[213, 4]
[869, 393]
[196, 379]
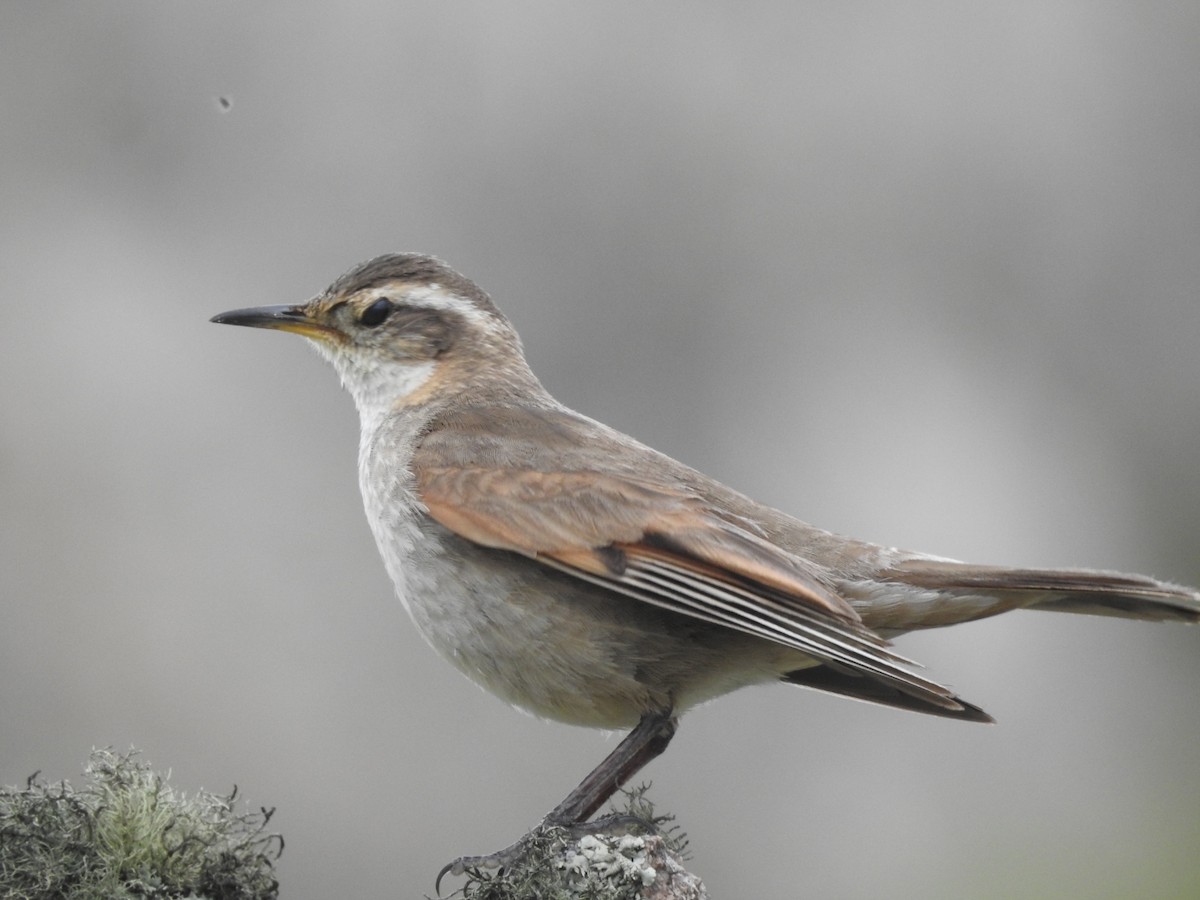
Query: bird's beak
[281, 318]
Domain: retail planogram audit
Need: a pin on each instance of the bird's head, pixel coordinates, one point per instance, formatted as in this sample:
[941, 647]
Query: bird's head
[402, 329]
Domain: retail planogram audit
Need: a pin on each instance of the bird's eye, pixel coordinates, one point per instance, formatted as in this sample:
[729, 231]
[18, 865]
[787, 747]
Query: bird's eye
[374, 314]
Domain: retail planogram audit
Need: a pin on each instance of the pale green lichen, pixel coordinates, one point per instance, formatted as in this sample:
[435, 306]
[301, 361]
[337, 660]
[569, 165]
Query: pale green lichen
[601, 860]
[127, 834]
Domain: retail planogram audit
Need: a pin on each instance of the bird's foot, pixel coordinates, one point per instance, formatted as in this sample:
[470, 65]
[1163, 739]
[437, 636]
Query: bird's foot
[614, 823]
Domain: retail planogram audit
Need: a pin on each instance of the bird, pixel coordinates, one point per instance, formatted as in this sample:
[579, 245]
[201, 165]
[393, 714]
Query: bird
[584, 577]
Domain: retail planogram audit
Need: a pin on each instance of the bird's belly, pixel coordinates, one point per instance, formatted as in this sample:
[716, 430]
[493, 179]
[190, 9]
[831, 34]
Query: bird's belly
[562, 648]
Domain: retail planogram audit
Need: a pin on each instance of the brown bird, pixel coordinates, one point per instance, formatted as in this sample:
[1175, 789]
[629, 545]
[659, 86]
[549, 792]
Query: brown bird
[585, 577]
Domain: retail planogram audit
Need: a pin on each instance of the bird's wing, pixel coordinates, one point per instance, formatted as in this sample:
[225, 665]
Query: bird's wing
[518, 480]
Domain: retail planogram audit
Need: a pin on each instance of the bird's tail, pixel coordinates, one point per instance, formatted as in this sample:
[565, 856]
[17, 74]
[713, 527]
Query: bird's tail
[927, 592]
[1060, 590]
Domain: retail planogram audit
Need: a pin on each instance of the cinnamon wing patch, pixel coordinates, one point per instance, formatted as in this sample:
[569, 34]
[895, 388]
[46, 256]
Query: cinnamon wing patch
[582, 519]
[543, 513]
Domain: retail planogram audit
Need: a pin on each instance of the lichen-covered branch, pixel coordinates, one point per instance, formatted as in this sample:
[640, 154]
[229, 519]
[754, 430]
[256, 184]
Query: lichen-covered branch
[599, 865]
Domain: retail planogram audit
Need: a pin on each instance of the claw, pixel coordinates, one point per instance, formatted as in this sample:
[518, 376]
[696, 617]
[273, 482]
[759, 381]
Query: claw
[446, 869]
[496, 860]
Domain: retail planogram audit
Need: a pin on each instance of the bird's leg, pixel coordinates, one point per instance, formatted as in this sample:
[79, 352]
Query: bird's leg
[647, 740]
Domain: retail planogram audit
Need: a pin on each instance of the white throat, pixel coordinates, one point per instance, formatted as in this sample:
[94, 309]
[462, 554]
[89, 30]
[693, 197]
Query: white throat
[376, 387]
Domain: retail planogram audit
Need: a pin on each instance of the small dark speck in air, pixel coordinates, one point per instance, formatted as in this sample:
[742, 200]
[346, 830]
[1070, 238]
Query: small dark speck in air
[224, 104]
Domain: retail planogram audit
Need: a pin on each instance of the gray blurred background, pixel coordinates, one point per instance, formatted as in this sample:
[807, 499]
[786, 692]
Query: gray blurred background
[923, 273]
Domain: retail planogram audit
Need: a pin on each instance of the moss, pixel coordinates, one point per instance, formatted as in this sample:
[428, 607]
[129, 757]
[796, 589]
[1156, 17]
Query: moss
[127, 834]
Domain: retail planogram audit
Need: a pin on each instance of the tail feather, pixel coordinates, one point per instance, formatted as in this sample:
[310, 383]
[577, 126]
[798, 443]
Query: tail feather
[927, 592]
[1061, 590]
